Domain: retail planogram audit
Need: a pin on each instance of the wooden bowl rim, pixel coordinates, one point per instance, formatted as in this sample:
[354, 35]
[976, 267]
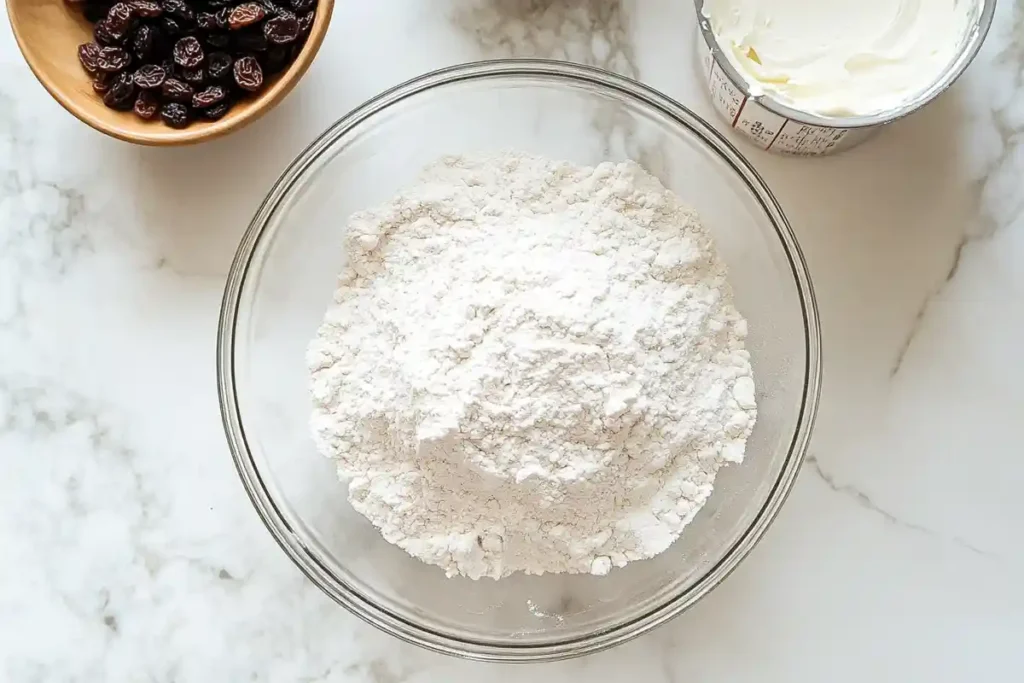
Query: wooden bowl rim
[162, 135]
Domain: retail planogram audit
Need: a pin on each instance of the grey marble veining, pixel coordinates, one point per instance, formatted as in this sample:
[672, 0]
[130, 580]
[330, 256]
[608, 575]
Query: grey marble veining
[864, 500]
[596, 33]
[997, 208]
[593, 32]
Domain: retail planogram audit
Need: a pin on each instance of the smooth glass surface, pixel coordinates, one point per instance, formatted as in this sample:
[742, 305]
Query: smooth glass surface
[284, 276]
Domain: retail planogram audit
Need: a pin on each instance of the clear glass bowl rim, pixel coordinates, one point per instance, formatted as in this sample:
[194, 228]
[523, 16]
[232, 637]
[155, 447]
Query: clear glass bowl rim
[292, 543]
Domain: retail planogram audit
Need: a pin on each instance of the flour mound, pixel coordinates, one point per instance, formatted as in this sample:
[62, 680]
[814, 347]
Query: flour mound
[531, 366]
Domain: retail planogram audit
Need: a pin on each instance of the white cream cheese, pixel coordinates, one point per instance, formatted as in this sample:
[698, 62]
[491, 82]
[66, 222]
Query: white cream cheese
[840, 57]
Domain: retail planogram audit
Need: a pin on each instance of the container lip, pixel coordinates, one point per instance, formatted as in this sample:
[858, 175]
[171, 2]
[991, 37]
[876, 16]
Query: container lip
[972, 43]
[306, 558]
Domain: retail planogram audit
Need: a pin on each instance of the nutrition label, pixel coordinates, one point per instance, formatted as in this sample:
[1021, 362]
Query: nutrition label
[766, 129]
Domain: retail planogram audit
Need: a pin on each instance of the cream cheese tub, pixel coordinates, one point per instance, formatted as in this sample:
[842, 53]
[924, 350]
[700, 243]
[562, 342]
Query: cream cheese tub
[816, 78]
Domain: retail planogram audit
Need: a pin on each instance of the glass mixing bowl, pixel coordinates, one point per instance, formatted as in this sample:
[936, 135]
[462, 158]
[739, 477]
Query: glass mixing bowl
[283, 278]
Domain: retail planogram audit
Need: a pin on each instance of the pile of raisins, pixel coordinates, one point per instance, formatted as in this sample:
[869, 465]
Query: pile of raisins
[184, 60]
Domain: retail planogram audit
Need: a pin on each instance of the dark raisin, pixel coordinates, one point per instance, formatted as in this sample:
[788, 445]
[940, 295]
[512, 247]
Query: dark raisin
[282, 29]
[250, 41]
[276, 59]
[101, 82]
[120, 20]
[218, 66]
[196, 75]
[146, 9]
[146, 105]
[246, 14]
[207, 97]
[142, 42]
[112, 59]
[150, 76]
[306, 22]
[206, 21]
[179, 9]
[174, 90]
[172, 27]
[175, 115]
[89, 56]
[188, 52]
[248, 74]
[272, 9]
[218, 40]
[102, 34]
[217, 111]
[303, 6]
[121, 94]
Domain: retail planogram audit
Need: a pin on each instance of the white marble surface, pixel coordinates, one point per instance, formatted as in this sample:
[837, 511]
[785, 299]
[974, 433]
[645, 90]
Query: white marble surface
[129, 552]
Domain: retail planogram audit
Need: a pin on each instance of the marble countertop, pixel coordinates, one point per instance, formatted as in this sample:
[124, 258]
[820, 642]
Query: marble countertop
[129, 551]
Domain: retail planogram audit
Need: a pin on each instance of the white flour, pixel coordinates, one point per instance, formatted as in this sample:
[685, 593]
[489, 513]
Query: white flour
[531, 366]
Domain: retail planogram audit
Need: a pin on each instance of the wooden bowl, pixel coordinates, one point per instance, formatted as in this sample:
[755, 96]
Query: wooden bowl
[49, 33]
